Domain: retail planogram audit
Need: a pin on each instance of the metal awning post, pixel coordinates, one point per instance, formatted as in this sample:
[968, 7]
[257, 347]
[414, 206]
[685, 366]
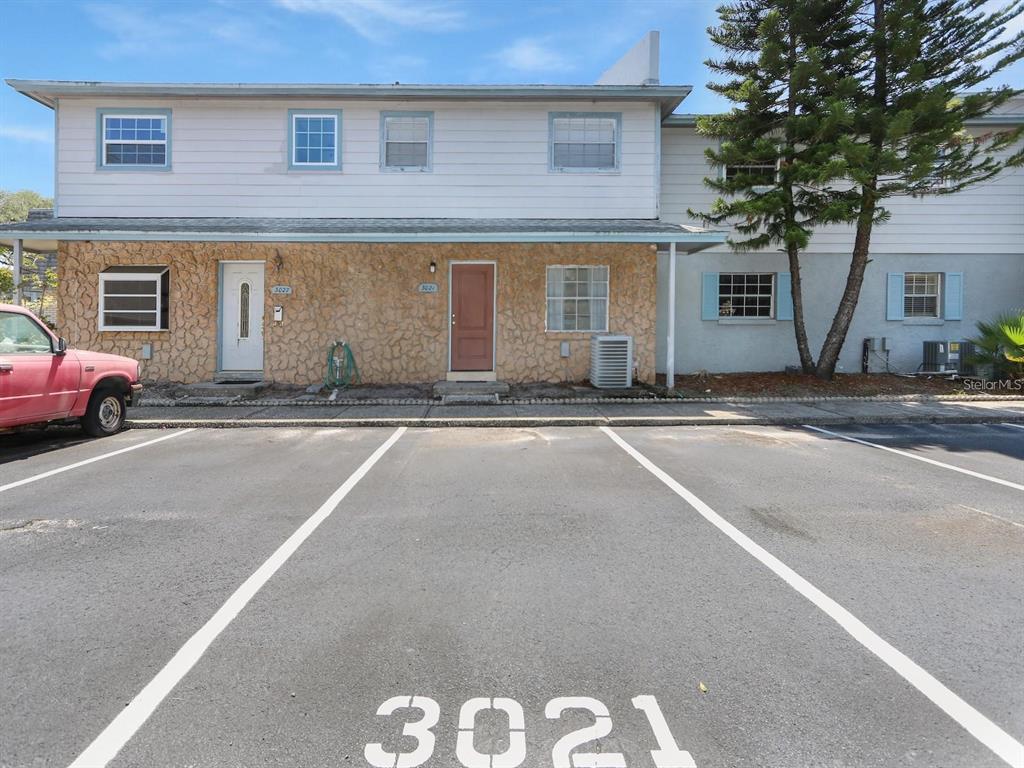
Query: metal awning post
[670, 351]
[16, 271]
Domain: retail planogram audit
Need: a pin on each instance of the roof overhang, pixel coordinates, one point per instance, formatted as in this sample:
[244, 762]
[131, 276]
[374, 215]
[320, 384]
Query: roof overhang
[46, 234]
[47, 92]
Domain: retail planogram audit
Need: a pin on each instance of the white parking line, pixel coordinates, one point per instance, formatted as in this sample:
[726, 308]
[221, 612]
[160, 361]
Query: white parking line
[1011, 424]
[130, 719]
[979, 726]
[933, 462]
[52, 472]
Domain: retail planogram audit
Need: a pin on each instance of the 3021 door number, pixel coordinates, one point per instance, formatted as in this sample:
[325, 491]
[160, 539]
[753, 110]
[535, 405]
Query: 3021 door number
[667, 755]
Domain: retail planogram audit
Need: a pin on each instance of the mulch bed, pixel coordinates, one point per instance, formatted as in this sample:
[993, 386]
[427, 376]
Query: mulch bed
[801, 385]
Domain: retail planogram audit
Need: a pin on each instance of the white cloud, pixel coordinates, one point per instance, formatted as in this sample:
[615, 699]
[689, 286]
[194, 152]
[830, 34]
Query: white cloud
[138, 31]
[373, 19]
[27, 133]
[533, 55]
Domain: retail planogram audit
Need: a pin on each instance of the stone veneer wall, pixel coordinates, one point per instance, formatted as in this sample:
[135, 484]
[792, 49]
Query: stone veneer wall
[365, 294]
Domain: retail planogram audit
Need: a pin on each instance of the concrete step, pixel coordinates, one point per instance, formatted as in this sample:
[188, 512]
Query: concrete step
[493, 389]
[482, 398]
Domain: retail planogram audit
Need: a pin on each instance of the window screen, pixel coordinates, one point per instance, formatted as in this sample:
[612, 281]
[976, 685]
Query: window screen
[406, 142]
[134, 301]
[584, 142]
[921, 294]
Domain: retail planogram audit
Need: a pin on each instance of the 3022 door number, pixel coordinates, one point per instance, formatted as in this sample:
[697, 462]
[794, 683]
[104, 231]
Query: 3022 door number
[667, 755]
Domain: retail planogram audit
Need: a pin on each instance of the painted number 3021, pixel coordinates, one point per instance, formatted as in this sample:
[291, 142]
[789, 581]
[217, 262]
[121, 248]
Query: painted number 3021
[563, 754]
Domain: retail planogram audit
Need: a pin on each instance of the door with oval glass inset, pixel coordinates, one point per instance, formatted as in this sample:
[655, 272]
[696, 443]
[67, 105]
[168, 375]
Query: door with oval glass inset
[241, 317]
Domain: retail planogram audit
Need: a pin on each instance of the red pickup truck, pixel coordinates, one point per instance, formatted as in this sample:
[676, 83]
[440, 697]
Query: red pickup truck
[43, 381]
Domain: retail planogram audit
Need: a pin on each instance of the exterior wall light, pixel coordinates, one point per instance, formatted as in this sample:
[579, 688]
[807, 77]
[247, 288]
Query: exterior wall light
[433, 267]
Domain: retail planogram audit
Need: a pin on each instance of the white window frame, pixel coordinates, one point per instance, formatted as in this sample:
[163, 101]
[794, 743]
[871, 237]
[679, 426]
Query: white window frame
[166, 141]
[429, 166]
[548, 297]
[153, 277]
[765, 166]
[772, 306]
[615, 117]
[293, 163]
[937, 295]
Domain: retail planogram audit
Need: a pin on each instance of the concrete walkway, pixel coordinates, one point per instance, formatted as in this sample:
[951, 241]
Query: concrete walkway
[662, 413]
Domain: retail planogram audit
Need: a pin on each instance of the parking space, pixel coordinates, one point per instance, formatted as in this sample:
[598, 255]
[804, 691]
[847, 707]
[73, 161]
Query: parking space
[523, 564]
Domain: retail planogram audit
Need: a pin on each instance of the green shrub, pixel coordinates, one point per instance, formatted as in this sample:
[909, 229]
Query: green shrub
[1000, 344]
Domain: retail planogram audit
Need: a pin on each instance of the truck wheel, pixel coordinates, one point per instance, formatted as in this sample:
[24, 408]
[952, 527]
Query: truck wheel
[105, 414]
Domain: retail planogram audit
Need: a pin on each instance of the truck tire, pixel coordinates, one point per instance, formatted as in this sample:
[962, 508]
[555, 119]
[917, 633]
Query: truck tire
[105, 414]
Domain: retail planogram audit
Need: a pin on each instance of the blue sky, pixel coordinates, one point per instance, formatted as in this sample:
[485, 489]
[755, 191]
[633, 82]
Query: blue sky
[341, 41]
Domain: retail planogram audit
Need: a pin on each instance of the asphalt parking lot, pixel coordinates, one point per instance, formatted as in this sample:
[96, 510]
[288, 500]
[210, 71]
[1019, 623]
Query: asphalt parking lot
[708, 596]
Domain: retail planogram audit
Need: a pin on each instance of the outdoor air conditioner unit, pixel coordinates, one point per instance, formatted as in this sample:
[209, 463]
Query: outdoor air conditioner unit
[947, 357]
[611, 361]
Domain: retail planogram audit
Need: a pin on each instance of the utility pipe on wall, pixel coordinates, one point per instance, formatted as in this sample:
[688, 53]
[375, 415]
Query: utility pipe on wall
[670, 352]
[16, 272]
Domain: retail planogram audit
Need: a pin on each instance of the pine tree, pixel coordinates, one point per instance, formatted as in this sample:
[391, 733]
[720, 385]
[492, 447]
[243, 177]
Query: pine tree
[852, 102]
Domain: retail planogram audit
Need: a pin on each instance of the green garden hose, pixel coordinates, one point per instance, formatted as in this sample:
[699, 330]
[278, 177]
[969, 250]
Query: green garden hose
[341, 367]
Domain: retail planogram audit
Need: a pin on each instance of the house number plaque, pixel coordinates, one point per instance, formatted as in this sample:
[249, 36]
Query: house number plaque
[427, 288]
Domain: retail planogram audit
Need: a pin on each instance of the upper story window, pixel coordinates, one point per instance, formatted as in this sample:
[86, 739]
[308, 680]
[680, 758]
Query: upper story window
[585, 141]
[134, 139]
[767, 173]
[746, 294]
[314, 139]
[921, 294]
[406, 140]
[134, 298]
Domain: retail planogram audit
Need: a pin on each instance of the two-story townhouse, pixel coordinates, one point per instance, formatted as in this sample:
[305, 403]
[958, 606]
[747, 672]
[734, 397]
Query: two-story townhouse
[459, 232]
[938, 266]
[465, 232]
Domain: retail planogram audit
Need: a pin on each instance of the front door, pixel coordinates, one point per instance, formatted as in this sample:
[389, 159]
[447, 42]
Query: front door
[472, 310]
[241, 331]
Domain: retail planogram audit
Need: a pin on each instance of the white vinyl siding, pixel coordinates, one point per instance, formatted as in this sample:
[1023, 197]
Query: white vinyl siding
[577, 298]
[133, 301]
[489, 160]
[983, 219]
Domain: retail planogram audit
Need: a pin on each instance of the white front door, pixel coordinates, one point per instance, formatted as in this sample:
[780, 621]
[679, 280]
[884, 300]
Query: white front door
[241, 331]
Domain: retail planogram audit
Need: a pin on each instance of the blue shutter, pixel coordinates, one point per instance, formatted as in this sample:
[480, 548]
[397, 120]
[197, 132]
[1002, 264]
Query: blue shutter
[783, 296]
[894, 297]
[709, 296]
[953, 308]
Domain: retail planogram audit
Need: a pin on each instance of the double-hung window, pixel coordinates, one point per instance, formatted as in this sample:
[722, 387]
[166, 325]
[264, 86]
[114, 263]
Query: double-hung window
[585, 141]
[134, 298]
[577, 298]
[314, 139]
[746, 294]
[134, 139]
[765, 173]
[406, 140]
[921, 294]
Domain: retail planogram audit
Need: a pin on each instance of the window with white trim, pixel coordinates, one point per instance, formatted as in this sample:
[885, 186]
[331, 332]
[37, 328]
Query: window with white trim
[585, 141]
[921, 294]
[577, 298]
[766, 173]
[746, 294]
[134, 298]
[134, 141]
[406, 141]
[314, 140]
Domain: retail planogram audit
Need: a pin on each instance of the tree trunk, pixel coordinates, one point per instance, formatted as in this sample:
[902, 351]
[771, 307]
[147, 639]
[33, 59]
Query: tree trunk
[806, 360]
[829, 355]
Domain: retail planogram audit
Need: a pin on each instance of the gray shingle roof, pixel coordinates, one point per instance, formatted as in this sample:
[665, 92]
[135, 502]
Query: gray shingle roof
[354, 230]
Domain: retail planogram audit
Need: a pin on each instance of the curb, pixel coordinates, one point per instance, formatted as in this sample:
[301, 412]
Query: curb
[273, 402]
[572, 421]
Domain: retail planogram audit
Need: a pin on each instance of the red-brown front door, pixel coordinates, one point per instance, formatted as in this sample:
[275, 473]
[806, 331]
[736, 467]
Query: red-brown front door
[472, 317]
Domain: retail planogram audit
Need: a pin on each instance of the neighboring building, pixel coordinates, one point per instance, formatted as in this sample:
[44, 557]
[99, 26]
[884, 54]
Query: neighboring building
[460, 232]
[939, 265]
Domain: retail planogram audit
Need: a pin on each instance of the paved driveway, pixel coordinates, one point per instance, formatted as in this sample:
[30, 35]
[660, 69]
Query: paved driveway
[709, 596]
